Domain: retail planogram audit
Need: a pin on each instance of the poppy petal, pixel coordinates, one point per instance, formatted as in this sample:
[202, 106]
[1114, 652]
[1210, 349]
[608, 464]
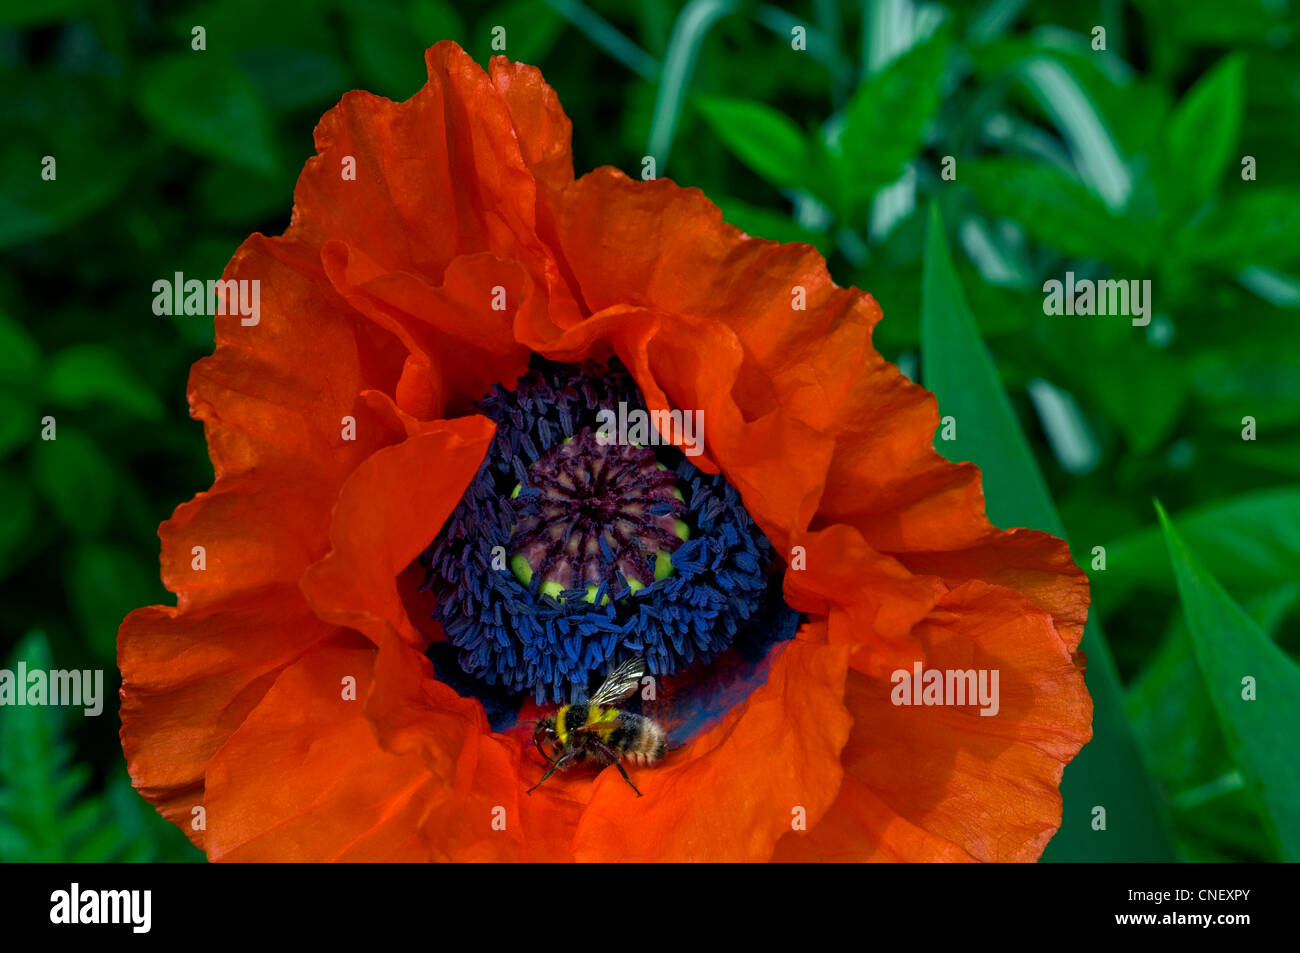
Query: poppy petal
[871, 600]
[983, 786]
[188, 680]
[387, 512]
[736, 789]
[303, 778]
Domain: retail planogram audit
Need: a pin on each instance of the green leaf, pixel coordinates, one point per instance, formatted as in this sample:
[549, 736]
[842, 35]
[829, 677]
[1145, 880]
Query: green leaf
[887, 116]
[759, 136]
[105, 582]
[437, 20]
[20, 355]
[210, 107]
[1053, 207]
[1260, 228]
[387, 49]
[46, 812]
[1202, 133]
[531, 30]
[1214, 816]
[1249, 543]
[86, 175]
[1087, 350]
[1072, 110]
[289, 78]
[38, 782]
[17, 521]
[1109, 770]
[76, 479]
[957, 367]
[1259, 726]
[87, 374]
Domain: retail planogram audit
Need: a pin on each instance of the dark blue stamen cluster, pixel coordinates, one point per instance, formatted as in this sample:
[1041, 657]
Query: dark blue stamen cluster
[522, 639]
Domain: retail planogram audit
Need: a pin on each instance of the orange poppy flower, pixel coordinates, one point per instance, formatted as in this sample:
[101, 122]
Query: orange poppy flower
[344, 677]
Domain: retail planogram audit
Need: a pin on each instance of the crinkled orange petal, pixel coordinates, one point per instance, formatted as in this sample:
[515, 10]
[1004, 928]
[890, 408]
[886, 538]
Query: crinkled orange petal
[271, 399]
[477, 810]
[733, 792]
[870, 600]
[659, 246]
[543, 130]
[960, 782]
[1034, 564]
[886, 478]
[303, 778]
[861, 827]
[454, 326]
[431, 178]
[388, 512]
[188, 680]
[273, 394]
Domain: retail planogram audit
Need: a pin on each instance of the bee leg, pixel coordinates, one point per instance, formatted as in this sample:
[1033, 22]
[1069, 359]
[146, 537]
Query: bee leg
[626, 778]
[549, 771]
[608, 754]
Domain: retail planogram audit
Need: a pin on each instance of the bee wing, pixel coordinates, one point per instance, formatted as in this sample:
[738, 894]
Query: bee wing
[618, 684]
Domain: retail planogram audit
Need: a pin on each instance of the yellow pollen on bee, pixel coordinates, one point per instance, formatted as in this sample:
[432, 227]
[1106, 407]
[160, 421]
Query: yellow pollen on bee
[560, 733]
[605, 717]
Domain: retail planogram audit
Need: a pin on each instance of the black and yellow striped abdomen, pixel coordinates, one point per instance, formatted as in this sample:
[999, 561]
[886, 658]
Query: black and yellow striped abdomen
[626, 734]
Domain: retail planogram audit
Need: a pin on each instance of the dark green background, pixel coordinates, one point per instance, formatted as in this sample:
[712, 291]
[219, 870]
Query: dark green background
[1119, 163]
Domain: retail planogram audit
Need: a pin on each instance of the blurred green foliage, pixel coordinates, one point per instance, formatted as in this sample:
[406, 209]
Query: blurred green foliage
[1121, 162]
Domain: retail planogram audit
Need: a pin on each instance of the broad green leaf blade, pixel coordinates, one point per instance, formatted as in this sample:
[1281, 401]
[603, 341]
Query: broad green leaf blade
[1260, 228]
[957, 367]
[1258, 717]
[1202, 132]
[105, 582]
[87, 374]
[1213, 815]
[1250, 543]
[288, 78]
[209, 107]
[76, 479]
[759, 136]
[886, 117]
[1108, 771]
[1053, 207]
[386, 49]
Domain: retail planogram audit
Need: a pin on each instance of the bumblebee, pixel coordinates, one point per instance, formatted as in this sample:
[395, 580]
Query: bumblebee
[598, 732]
